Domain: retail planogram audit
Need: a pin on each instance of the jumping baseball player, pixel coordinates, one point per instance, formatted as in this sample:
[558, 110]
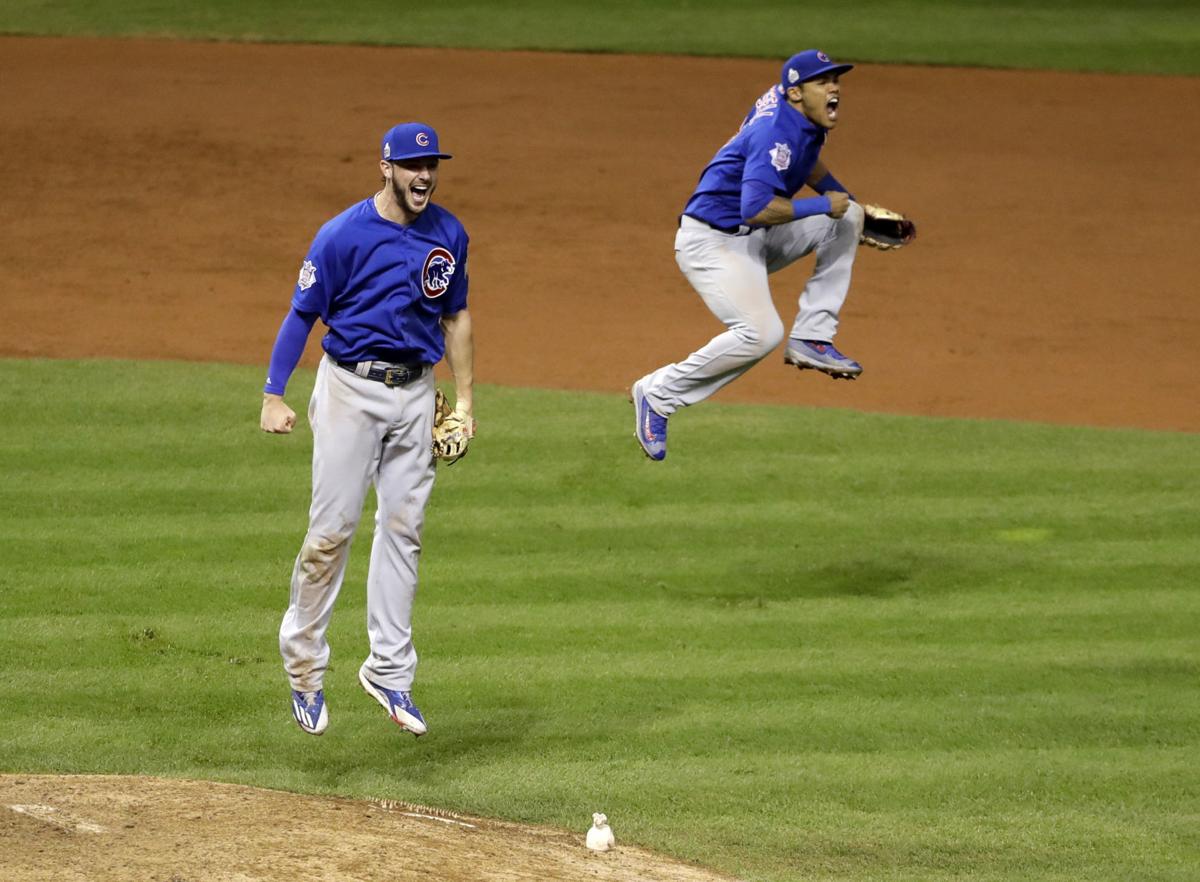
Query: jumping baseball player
[741, 224]
[388, 277]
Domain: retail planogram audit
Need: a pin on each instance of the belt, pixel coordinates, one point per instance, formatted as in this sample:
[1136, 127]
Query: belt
[384, 372]
[741, 230]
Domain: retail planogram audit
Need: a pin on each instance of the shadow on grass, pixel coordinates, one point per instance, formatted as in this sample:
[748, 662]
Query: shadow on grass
[865, 577]
[909, 575]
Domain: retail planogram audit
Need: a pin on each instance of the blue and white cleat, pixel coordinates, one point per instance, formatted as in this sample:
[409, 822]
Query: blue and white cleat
[651, 429]
[310, 712]
[823, 357]
[398, 705]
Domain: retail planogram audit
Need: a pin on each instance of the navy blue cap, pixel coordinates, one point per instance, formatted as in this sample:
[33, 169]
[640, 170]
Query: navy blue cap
[411, 140]
[808, 65]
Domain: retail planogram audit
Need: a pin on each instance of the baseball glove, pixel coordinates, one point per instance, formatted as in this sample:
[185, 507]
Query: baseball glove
[885, 229]
[451, 432]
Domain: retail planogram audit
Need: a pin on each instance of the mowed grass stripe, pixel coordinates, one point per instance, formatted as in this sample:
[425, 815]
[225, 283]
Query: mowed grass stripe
[1152, 36]
[810, 645]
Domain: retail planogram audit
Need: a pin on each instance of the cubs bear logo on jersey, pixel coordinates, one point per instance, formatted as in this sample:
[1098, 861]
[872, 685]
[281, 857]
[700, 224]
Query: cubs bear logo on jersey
[437, 272]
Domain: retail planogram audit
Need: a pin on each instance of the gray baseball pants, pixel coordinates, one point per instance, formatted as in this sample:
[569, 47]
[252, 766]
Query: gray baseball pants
[730, 273]
[364, 433]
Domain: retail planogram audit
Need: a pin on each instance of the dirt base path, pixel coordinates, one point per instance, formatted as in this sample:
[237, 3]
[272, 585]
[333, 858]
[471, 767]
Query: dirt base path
[115, 829]
[159, 196]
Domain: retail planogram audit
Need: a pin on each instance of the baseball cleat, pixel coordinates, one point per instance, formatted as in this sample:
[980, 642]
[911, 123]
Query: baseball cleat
[310, 712]
[398, 705]
[820, 356]
[651, 428]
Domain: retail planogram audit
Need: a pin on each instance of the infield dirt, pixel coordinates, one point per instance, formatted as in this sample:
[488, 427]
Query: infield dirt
[158, 198]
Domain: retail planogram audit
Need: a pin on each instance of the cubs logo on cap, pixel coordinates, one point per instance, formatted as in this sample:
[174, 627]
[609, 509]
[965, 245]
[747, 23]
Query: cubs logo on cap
[411, 140]
[808, 65]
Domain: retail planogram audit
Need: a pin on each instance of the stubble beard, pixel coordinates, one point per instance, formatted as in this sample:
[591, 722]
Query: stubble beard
[401, 197]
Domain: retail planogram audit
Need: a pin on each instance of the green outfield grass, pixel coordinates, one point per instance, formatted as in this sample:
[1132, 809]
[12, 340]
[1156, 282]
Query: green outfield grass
[1154, 36]
[811, 645]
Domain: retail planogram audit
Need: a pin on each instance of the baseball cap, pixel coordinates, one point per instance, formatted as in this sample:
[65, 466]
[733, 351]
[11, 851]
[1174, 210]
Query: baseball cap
[411, 140]
[809, 64]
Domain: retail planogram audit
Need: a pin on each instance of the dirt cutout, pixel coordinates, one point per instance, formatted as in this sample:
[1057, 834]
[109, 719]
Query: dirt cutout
[116, 829]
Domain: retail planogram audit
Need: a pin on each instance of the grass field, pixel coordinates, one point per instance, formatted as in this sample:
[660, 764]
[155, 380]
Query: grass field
[815, 645]
[893, 648]
[1152, 36]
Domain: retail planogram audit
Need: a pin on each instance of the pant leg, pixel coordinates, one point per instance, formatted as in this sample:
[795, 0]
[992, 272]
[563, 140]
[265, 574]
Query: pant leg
[402, 488]
[347, 433]
[730, 274]
[836, 245]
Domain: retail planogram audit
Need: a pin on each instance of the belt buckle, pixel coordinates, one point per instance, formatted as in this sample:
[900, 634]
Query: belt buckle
[396, 376]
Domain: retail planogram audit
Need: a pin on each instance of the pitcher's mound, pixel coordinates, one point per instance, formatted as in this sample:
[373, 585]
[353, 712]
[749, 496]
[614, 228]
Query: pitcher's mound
[81, 828]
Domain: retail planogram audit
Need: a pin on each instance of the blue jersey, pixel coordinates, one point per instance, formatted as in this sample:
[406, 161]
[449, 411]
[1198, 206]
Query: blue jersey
[382, 287]
[776, 145]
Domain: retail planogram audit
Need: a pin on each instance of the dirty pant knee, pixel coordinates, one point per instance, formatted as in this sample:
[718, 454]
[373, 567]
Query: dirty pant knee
[316, 580]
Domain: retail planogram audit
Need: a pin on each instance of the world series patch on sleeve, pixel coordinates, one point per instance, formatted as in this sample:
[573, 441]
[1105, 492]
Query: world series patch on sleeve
[885, 229]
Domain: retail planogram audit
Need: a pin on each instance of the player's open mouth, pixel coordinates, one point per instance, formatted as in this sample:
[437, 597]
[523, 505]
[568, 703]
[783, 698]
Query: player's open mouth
[420, 192]
[831, 106]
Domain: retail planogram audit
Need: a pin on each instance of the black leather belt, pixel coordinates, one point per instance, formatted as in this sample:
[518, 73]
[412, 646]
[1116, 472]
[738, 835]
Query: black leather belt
[741, 230]
[384, 372]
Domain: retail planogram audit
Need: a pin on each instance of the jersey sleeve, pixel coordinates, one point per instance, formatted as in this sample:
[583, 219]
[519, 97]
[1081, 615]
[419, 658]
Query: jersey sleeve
[756, 196]
[320, 277]
[289, 346]
[456, 294]
[767, 158]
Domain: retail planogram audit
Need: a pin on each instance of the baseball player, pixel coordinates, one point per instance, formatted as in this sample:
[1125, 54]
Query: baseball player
[741, 224]
[388, 277]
